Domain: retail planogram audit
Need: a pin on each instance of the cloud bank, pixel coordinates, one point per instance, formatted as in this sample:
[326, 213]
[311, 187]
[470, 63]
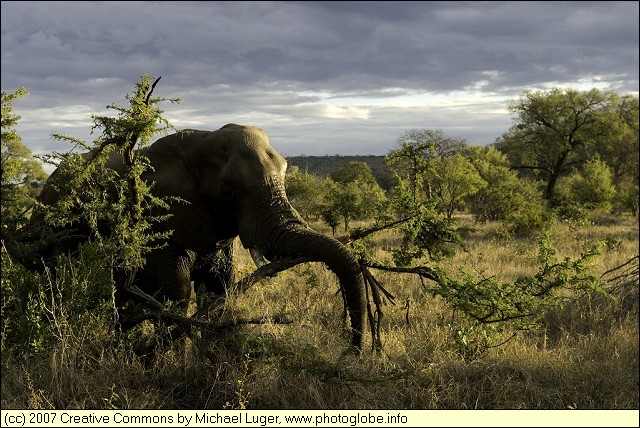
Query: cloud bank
[319, 77]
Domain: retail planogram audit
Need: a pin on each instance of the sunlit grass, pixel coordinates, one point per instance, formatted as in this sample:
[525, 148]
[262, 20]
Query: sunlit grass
[585, 356]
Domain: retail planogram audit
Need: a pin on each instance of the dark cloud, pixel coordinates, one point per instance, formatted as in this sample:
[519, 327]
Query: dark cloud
[321, 77]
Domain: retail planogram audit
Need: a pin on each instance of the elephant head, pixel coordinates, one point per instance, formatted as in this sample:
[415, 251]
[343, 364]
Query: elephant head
[233, 183]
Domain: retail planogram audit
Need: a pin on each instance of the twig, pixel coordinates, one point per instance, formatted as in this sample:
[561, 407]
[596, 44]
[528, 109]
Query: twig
[631, 260]
[361, 233]
[422, 271]
[153, 86]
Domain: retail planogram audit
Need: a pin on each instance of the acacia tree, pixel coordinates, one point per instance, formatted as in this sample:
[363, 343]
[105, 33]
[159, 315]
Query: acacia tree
[621, 149]
[515, 202]
[21, 173]
[354, 171]
[421, 186]
[359, 176]
[411, 160]
[79, 290]
[353, 193]
[86, 186]
[557, 130]
[454, 179]
[621, 154]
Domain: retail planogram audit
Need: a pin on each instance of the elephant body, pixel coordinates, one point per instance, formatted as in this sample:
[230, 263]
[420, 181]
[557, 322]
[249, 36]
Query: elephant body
[232, 184]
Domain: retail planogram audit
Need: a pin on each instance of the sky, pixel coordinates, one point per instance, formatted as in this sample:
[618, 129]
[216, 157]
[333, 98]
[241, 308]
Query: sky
[322, 78]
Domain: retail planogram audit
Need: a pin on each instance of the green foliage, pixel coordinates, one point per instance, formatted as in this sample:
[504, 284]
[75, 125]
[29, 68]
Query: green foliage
[306, 192]
[354, 171]
[591, 188]
[505, 195]
[529, 219]
[412, 160]
[515, 202]
[491, 307]
[409, 163]
[22, 174]
[356, 196]
[454, 179]
[117, 206]
[431, 180]
[40, 311]
[556, 130]
[427, 233]
[619, 146]
[347, 201]
[324, 166]
[330, 216]
[628, 199]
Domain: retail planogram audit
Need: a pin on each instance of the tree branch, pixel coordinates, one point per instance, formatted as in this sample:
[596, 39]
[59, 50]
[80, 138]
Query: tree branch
[361, 233]
[153, 86]
[422, 271]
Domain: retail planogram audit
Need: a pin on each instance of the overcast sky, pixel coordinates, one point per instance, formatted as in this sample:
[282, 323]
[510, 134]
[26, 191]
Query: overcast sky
[320, 77]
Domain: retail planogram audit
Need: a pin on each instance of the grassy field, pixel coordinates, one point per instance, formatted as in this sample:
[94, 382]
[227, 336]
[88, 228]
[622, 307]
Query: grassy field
[584, 356]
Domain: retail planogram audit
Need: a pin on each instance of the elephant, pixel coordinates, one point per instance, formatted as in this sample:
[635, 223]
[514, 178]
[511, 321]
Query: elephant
[231, 183]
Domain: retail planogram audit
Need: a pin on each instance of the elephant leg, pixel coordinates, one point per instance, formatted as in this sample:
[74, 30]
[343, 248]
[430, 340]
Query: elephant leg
[166, 275]
[215, 271]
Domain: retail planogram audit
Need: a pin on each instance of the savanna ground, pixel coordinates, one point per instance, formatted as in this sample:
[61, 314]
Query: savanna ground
[585, 356]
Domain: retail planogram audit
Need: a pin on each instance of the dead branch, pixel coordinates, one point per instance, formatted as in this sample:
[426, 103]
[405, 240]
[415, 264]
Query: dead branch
[268, 270]
[422, 271]
[153, 86]
[201, 318]
[630, 270]
[362, 233]
[161, 312]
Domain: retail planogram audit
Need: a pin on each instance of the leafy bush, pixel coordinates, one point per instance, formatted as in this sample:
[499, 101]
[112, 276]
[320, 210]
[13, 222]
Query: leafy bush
[592, 188]
[530, 219]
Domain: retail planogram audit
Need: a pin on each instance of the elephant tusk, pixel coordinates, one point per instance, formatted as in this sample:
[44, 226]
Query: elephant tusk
[258, 257]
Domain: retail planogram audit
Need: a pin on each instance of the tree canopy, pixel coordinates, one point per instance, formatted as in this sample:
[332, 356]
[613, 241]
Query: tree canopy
[556, 131]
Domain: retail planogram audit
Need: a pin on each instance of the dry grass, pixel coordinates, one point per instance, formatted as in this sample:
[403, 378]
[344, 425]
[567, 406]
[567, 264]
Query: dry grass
[585, 357]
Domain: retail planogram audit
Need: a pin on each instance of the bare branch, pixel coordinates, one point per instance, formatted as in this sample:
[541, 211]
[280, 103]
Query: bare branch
[268, 270]
[153, 86]
[163, 313]
[422, 271]
[361, 233]
[631, 260]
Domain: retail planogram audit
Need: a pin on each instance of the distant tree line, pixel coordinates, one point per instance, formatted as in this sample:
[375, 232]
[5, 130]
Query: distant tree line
[569, 154]
[324, 166]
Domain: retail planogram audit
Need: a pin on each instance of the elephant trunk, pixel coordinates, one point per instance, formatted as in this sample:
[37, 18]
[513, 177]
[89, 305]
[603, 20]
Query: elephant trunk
[281, 233]
[339, 260]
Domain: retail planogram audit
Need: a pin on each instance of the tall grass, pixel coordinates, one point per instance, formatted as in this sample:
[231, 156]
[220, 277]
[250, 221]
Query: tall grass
[585, 355]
